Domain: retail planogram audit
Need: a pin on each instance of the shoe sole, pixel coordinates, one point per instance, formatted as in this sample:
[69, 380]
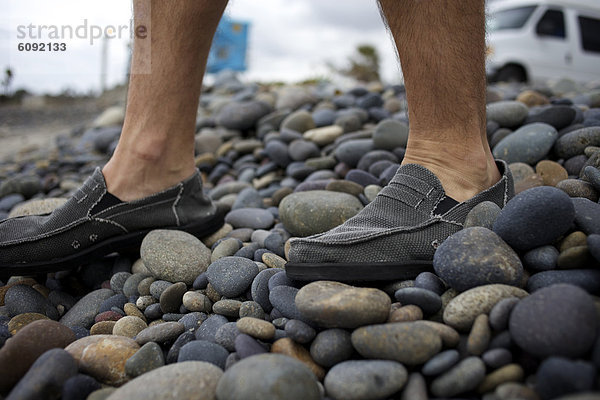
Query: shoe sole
[357, 272]
[115, 244]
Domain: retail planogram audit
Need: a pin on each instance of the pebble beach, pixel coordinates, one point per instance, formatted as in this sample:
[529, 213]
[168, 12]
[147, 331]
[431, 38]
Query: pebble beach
[510, 311]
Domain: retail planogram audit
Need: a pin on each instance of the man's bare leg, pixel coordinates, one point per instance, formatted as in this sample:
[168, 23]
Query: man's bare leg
[156, 149]
[441, 44]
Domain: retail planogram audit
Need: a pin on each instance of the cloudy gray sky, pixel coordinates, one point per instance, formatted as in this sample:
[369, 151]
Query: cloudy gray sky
[290, 40]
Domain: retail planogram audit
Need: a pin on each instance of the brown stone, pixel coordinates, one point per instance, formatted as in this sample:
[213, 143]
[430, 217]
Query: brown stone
[551, 172]
[103, 357]
[508, 373]
[512, 390]
[578, 188]
[102, 328]
[290, 348]
[406, 313]
[20, 351]
[528, 183]
[131, 310]
[257, 328]
[575, 257]
[480, 336]
[450, 337]
[532, 98]
[272, 260]
[342, 185]
[337, 305]
[573, 239]
[18, 322]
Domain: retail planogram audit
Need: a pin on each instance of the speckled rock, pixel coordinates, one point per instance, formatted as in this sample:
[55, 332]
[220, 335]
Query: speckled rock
[559, 320]
[365, 379]
[231, 276]
[573, 143]
[83, 312]
[193, 380]
[475, 257]
[307, 213]
[150, 356]
[263, 376]
[406, 342]
[337, 305]
[174, 256]
[462, 310]
[483, 214]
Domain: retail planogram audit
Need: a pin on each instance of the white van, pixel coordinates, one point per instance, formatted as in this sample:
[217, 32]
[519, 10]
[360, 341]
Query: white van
[537, 40]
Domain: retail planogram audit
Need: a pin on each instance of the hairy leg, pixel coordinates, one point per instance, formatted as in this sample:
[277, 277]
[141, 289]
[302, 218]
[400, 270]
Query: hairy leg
[441, 45]
[156, 149]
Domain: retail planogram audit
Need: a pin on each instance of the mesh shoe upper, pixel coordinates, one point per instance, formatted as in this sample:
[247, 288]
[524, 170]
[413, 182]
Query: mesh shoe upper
[399, 224]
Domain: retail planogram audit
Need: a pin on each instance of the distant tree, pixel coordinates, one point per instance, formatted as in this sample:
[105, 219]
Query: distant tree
[8, 77]
[363, 65]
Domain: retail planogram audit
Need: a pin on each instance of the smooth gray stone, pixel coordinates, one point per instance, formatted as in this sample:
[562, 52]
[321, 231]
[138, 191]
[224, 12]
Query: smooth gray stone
[440, 363]
[165, 332]
[255, 218]
[365, 379]
[226, 334]
[209, 328]
[389, 134]
[203, 350]
[463, 377]
[428, 301]
[587, 279]
[560, 320]
[500, 313]
[21, 299]
[541, 258]
[574, 143]
[496, 358]
[508, 114]
[331, 347]
[587, 215]
[350, 152]
[260, 288]
[263, 376]
[85, 310]
[528, 144]
[483, 214]
[231, 276]
[242, 115]
[559, 376]
[150, 356]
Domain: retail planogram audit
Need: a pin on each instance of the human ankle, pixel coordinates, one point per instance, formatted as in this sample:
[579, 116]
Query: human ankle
[462, 174]
[135, 178]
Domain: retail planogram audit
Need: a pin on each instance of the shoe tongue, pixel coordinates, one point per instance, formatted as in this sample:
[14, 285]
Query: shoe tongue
[419, 172]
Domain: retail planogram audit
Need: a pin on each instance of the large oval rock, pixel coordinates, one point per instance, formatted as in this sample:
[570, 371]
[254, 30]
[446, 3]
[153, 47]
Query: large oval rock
[406, 342]
[462, 310]
[337, 305]
[190, 380]
[475, 257]
[316, 211]
[535, 217]
[174, 256]
[104, 357]
[528, 144]
[268, 376]
[365, 379]
[560, 320]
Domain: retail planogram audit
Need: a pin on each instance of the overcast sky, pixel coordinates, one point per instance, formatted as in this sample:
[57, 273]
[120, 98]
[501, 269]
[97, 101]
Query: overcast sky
[289, 40]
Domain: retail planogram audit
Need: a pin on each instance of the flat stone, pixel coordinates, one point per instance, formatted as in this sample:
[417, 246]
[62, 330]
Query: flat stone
[256, 328]
[441, 362]
[20, 352]
[406, 342]
[429, 302]
[465, 376]
[161, 333]
[480, 335]
[254, 218]
[587, 279]
[474, 257]
[337, 305]
[150, 356]
[528, 144]
[203, 350]
[260, 288]
[365, 379]
[299, 121]
[174, 256]
[505, 374]
[551, 172]
[559, 320]
[311, 212]
[194, 380]
[263, 376]
[20, 321]
[324, 135]
[390, 134]
[462, 310]
[496, 358]
[508, 114]
[171, 298]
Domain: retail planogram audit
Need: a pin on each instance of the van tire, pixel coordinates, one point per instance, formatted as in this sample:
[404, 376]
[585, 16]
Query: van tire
[511, 73]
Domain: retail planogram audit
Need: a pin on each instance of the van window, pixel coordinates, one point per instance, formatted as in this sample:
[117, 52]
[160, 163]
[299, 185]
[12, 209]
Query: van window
[514, 18]
[590, 33]
[551, 24]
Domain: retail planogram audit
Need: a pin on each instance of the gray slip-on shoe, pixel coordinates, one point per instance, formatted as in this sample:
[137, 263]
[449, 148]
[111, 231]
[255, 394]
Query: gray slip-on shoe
[395, 236]
[93, 223]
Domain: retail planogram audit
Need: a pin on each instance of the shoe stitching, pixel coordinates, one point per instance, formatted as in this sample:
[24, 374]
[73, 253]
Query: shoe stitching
[111, 222]
[176, 203]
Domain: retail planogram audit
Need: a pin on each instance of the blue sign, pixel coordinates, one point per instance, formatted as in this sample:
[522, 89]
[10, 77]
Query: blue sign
[228, 50]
